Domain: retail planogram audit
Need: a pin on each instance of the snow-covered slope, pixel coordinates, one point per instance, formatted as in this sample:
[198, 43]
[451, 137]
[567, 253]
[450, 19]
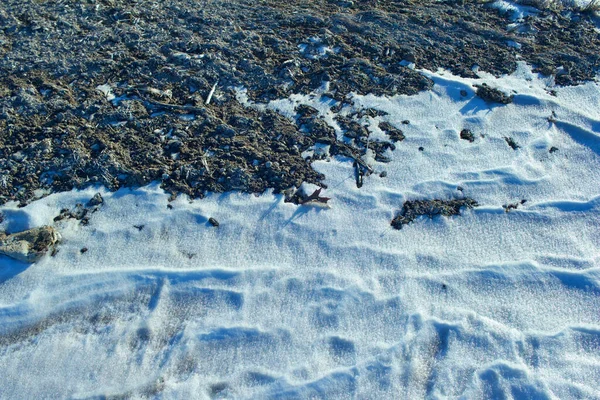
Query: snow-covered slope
[282, 301]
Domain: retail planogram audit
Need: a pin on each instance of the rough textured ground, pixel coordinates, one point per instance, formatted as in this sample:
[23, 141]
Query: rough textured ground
[162, 59]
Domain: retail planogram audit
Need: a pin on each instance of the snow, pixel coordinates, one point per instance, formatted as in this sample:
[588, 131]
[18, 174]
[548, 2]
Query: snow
[517, 11]
[282, 301]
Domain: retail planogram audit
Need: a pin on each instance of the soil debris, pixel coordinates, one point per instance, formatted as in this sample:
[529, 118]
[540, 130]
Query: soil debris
[81, 212]
[492, 95]
[96, 200]
[300, 198]
[511, 142]
[513, 206]
[122, 93]
[466, 134]
[415, 208]
[395, 134]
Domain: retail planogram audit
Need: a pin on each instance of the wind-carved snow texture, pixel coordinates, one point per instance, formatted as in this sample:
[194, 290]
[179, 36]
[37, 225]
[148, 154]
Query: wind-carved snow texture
[287, 301]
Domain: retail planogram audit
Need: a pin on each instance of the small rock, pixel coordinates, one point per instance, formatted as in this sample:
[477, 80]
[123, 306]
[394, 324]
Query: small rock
[466, 134]
[553, 149]
[83, 250]
[383, 174]
[96, 200]
[421, 148]
[213, 222]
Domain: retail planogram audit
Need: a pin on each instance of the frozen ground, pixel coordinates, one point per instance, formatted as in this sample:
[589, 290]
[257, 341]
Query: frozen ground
[286, 302]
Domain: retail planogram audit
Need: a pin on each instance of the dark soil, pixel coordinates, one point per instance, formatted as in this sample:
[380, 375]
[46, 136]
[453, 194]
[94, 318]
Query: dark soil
[411, 210]
[511, 142]
[162, 60]
[492, 95]
[466, 134]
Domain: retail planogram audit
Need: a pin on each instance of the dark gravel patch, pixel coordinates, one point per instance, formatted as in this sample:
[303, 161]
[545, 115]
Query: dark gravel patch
[411, 210]
[163, 59]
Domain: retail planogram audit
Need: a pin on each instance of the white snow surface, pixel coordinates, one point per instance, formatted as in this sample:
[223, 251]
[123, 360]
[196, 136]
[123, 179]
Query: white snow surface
[291, 302]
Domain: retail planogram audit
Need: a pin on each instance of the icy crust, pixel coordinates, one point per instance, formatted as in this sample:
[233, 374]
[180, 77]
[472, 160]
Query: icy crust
[287, 301]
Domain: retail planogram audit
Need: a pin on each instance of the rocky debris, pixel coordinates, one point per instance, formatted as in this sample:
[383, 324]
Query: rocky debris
[81, 212]
[511, 142]
[29, 246]
[96, 200]
[300, 198]
[553, 149]
[213, 222]
[149, 94]
[492, 95]
[395, 134]
[466, 134]
[513, 206]
[413, 209]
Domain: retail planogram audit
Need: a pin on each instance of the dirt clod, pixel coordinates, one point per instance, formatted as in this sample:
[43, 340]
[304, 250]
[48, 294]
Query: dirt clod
[511, 142]
[466, 134]
[411, 210]
[492, 95]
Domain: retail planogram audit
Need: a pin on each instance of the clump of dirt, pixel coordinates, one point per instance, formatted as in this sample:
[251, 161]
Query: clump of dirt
[80, 212]
[415, 208]
[395, 134]
[511, 142]
[492, 95]
[122, 93]
[513, 206]
[466, 134]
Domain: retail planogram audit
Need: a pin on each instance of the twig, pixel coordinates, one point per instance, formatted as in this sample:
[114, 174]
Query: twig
[212, 91]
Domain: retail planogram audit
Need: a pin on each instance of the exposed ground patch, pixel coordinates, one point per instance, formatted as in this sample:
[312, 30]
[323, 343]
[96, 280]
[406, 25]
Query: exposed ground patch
[162, 62]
